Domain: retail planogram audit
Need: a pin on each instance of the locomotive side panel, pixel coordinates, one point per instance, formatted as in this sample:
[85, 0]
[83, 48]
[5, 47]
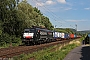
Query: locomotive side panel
[43, 34]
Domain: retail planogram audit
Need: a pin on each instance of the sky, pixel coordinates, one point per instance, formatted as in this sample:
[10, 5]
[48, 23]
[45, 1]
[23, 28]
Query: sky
[65, 13]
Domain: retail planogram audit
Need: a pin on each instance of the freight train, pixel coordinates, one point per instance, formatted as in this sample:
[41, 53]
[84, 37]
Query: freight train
[37, 35]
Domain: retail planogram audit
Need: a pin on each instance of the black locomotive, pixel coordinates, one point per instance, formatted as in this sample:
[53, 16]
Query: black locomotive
[37, 35]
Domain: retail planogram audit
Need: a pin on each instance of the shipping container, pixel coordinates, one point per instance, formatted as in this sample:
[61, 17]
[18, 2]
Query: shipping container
[60, 35]
[64, 36]
[75, 36]
[71, 36]
[56, 35]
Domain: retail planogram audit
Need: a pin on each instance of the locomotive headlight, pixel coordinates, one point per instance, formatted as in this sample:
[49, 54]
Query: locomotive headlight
[23, 36]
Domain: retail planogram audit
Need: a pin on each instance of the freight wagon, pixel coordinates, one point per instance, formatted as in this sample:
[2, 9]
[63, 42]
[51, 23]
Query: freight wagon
[75, 36]
[71, 36]
[64, 36]
[57, 35]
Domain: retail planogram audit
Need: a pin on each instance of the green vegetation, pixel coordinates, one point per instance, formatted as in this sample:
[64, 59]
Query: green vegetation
[51, 53]
[6, 40]
[65, 30]
[83, 37]
[14, 17]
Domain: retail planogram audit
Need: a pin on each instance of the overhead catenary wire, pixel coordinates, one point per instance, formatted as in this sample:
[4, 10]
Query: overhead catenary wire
[45, 13]
[53, 14]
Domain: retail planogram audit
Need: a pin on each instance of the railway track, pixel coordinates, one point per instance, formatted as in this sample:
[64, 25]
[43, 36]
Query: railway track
[14, 51]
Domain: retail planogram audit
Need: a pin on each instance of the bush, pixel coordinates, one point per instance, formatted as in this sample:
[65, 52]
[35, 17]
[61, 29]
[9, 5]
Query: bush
[6, 39]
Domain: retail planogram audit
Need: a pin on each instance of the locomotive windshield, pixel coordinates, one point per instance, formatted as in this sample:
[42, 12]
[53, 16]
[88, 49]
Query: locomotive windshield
[29, 30]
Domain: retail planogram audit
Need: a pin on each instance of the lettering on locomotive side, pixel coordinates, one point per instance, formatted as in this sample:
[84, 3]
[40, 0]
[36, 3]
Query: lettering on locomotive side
[50, 33]
[43, 33]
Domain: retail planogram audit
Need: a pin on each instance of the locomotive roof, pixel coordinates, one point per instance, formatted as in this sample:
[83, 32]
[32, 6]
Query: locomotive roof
[44, 29]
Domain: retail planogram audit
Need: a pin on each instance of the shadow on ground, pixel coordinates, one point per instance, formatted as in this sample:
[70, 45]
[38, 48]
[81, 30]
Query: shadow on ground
[85, 53]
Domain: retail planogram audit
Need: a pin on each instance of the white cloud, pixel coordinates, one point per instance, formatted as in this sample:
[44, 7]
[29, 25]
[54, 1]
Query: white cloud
[68, 8]
[49, 2]
[60, 21]
[87, 8]
[62, 1]
[39, 4]
[76, 20]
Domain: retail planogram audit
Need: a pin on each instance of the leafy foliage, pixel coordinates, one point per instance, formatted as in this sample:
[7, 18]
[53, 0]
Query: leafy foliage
[14, 17]
[11, 23]
[65, 30]
[33, 16]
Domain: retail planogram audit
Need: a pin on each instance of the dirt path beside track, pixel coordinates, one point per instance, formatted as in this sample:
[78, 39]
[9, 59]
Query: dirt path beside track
[79, 53]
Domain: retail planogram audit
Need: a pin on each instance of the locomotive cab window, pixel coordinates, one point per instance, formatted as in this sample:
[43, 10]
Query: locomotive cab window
[32, 30]
[29, 30]
[26, 30]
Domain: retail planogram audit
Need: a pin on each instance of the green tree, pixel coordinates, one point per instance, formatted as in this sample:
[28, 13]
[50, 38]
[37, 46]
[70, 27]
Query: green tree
[68, 30]
[33, 16]
[11, 21]
[12, 18]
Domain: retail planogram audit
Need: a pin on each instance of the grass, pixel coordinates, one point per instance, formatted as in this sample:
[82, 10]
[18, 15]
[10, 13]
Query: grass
[5, 46]
[8, 45]
[51, 53]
